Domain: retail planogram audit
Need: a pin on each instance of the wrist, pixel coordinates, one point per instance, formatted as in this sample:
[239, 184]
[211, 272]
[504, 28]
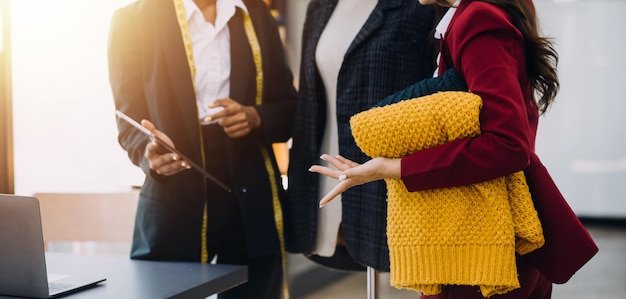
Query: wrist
[253, 116]
[390, 168]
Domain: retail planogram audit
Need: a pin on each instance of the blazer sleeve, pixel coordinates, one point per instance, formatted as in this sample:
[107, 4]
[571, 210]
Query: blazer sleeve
[125, 78]
[489, 53]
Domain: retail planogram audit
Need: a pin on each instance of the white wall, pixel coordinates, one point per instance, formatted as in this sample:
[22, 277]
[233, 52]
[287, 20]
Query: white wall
[64, 122]
[582, 139]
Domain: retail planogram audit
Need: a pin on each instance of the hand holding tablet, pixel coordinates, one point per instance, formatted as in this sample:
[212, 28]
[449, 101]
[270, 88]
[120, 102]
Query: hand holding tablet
[165, 145]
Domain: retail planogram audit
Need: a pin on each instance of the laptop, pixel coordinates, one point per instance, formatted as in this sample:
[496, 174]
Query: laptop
[22, 256]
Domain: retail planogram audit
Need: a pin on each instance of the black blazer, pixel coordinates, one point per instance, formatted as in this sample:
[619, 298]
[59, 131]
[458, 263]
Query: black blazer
[150, 79]
[394, 49]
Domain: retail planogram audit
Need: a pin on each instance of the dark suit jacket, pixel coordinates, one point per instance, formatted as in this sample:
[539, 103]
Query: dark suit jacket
[150, 79]
[391, 51]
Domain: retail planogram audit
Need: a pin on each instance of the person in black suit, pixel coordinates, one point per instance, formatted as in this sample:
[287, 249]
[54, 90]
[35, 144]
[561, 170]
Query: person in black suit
[210, 78]
[354, 54]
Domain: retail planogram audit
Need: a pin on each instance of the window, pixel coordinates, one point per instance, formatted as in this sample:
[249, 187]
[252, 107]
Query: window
[65, 135]
[6, 131]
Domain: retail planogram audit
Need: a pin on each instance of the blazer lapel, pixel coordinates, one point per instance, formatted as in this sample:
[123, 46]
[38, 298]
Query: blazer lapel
[167, 31]
[324, 12]
[446, 61]
[458, 12]
[242, 75]
[317, 22]
[375, 21]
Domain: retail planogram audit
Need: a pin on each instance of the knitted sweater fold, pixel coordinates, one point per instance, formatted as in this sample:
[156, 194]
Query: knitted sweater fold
[465, 235]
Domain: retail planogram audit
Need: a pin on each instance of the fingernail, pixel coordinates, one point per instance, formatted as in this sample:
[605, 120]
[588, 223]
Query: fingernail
[174, 158]
[183, 164]
[207, 119]
[311, 169]
[322, 205]
[342, 177]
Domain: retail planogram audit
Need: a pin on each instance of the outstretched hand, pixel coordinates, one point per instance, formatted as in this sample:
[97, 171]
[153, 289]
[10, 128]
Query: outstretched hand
[350, 173]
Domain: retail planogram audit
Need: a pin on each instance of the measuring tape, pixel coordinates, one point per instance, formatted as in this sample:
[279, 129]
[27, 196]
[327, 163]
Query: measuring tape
[258, 63]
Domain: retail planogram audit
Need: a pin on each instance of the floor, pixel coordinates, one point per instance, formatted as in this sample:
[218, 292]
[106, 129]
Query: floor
[603, 277]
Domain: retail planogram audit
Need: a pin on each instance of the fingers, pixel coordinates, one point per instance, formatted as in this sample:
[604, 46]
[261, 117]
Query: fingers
[162, 161]
[340, 188]
[334, 173]
[348, 172]
[327, 171]
[237, 120]
[166, 164]
[346, 161]
[230, 107]
[235, 126]
[148, 125]
[171, 167]
[340, 162]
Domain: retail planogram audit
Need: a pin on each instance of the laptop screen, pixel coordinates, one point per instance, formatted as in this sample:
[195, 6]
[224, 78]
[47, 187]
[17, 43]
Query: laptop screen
[22, 255]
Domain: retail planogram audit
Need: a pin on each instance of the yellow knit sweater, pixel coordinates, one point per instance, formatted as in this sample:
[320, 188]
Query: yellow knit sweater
[465, 235]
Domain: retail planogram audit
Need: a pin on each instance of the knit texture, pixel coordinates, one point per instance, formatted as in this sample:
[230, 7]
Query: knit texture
[466, 235]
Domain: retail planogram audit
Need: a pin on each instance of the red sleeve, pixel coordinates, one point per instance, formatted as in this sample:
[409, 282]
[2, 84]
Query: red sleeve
[489, 53]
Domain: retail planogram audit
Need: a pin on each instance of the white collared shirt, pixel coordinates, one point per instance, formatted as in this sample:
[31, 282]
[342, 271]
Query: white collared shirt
[442, 27]
[211, 52]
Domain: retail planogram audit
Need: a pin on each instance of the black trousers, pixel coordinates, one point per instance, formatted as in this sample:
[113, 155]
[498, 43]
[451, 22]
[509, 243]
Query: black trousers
[225, 229]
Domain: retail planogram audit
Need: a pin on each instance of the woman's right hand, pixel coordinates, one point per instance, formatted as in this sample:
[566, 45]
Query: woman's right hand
[162, 161]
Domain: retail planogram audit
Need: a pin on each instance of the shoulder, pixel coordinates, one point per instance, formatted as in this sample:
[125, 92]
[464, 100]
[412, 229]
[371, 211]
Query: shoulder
[125, 17]
[479, 15]
[478, 18]
[481, 8]
[138, 10]
[258, 11]
[126, 11]
[256, 5]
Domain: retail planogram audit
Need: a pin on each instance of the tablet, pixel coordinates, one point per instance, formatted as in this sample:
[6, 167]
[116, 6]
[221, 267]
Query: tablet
[164, 144]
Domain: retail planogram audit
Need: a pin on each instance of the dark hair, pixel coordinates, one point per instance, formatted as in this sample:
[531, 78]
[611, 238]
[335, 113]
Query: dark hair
[541, 57]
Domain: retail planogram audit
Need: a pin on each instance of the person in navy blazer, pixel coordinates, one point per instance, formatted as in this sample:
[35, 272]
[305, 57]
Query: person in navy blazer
[181, 216]
[391, 50]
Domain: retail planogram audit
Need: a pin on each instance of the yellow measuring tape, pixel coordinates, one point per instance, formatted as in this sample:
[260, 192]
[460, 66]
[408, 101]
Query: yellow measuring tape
[256, 53]
[184, 30]
[278, 212]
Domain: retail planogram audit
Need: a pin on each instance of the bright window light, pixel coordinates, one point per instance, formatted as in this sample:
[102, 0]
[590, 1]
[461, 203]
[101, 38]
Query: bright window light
[65, 135]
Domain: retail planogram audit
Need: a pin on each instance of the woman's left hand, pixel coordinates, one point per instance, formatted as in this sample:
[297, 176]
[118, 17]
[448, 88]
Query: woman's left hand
[352, 174]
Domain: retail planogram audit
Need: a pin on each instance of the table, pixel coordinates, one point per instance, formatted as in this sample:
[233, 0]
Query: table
[126, 278]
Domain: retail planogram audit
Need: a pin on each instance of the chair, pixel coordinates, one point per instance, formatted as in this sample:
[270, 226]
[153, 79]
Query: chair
[88, 218]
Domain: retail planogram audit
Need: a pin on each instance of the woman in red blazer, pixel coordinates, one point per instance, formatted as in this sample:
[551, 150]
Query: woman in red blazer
[496, 47]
